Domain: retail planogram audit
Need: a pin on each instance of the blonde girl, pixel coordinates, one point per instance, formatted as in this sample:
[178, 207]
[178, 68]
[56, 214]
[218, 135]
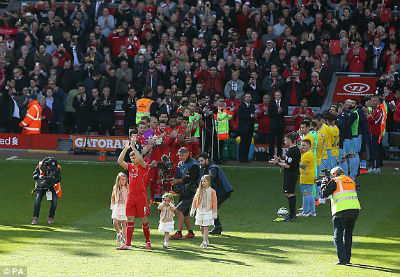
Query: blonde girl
[167, 209]
[205, 206]
[117, 206]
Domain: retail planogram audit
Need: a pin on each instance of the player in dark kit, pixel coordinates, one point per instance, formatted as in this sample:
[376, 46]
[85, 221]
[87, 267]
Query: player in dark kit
[291, 172]
[136, 204]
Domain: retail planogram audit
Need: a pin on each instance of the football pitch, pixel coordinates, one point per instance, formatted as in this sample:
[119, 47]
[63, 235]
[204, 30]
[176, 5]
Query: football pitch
[82, 241]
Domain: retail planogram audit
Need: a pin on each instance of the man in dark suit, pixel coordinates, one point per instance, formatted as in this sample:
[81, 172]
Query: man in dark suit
[277, 110]
[246, 114]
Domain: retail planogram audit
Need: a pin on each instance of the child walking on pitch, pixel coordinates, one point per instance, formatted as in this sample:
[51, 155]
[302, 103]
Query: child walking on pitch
[167, 209]
[205, 206]
[118, 202]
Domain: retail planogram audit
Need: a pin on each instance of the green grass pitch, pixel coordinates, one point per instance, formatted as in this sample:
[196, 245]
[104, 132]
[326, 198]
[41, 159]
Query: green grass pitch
[82, 242]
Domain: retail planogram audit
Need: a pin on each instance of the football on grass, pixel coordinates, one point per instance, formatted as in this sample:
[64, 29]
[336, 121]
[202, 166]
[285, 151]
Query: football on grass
[282, 212]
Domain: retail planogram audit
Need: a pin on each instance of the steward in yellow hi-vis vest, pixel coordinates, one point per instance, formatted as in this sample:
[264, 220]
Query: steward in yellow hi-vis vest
[345, 207]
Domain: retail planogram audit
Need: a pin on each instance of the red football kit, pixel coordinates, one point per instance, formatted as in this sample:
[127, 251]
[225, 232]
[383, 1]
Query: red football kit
[136, 204]
[155, 182]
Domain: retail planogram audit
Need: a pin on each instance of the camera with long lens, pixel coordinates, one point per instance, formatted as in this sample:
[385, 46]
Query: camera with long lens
[324, 179]
[164, 167]
[49, 168]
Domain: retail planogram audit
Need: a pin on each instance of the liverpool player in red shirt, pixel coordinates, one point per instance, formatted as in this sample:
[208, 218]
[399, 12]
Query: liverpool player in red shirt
[136, 205]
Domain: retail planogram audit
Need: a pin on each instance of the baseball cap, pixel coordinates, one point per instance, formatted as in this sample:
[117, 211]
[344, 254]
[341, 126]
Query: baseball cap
[182, 151]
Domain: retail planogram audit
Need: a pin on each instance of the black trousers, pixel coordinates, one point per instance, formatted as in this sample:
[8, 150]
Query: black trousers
[209, 145]
[244, 145]
[128, 123]
[38, 202]
[276, 132]
[220, 199]
[82, 126]
[343, 237]
[107, 126]
[69, 123]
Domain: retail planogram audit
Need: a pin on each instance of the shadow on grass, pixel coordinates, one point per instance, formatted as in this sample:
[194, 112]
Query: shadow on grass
[377, 268]
[194, 254]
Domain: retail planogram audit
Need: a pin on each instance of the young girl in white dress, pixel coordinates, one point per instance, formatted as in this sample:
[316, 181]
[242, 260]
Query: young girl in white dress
[167, 209]
[205, 205]
[118, 202]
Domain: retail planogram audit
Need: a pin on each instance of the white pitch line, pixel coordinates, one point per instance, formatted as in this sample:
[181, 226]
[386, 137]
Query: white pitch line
[65, 161]
[12, 158]
[16, 159]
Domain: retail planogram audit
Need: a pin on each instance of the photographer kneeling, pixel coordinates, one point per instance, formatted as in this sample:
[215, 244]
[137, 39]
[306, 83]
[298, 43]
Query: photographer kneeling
[345, 208]
[219, 183]
[47, 176]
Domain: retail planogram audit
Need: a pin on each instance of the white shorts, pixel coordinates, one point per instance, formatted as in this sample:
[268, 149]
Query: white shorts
[119, 212]
[166, 227]
[204, 218]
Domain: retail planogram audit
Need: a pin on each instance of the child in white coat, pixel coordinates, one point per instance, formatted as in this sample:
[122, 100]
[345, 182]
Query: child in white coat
[205, 205]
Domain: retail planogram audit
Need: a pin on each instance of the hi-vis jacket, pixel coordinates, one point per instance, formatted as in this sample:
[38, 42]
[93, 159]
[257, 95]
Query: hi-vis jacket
[33, 119]
[345, 195]
[143, 106]
[222, 125]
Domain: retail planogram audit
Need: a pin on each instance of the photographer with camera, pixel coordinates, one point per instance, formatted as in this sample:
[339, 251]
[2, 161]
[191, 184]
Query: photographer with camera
[219, 183]
[185, 182]
[47, 176]
[345, 209]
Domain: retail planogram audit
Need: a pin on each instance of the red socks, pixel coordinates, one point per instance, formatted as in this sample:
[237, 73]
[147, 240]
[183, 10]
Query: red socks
[129, 233]
[146, 231]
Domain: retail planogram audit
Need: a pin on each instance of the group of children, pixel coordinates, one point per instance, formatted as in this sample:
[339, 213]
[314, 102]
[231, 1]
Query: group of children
[204, 206]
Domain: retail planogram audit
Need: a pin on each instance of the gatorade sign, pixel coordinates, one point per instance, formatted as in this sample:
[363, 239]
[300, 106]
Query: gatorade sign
[98, 143]
[354, 87]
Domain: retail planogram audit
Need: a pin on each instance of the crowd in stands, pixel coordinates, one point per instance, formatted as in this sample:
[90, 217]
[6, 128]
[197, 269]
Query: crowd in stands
[80, 59]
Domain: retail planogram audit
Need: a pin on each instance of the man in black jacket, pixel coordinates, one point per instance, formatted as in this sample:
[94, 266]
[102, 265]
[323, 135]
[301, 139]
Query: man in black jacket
[6, 112]
[47, 174]
[246, 114]
[107, 118]
[82, 106]
[129, 106]
[277, 110]
[219, 183]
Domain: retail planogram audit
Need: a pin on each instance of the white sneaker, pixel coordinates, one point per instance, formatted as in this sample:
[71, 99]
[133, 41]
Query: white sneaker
[300, 209]
[314, 214]
[118, 239]
[165, 244]
[371, 170]
[377, 170]
[124, 247]
[204, 245]
[322, 200]
[303, 214]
